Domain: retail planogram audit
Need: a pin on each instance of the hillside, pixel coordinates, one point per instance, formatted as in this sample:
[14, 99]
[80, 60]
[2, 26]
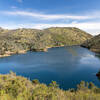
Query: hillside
[93, 44]
[14, 87]
[22, 40]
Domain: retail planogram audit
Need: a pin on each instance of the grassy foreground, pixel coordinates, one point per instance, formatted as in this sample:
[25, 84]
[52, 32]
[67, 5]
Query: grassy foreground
[14, 87]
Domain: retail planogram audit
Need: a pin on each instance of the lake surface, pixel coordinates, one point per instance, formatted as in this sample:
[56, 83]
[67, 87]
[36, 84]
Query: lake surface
[66, 65]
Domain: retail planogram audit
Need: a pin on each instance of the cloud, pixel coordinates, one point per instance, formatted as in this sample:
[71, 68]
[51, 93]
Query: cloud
[46, 16]
[92, 28]
[13, 7]
[89, 22]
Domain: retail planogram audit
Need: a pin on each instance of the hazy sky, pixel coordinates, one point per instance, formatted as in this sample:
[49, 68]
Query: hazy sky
[84, 14]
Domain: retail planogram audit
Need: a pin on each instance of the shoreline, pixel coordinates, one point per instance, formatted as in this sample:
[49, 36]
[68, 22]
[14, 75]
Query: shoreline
[92, 49]
[8, 53]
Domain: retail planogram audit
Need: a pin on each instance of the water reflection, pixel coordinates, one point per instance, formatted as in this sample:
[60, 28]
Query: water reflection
[90, 59]
[72, 50]
[97, 55]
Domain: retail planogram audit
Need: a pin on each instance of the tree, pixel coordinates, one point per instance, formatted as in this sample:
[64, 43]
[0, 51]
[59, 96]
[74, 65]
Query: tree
[54, 84]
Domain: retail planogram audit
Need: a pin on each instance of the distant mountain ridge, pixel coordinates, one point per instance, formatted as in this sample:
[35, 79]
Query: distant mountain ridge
[22, 40]
[93, 44]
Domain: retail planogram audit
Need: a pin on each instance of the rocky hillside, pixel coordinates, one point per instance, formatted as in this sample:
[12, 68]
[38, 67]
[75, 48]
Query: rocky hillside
[93, 44]
[22, 40]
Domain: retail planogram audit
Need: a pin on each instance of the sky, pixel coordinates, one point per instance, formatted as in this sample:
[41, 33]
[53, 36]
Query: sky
[41, 14]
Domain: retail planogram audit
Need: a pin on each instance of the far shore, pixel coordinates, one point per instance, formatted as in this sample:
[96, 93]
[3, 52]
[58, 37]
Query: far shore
[8, 53]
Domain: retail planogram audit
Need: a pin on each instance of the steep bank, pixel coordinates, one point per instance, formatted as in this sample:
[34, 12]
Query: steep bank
[93, 44]
[22, 40]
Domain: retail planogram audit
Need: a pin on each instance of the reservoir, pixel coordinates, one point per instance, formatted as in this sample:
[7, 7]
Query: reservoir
[65, 65]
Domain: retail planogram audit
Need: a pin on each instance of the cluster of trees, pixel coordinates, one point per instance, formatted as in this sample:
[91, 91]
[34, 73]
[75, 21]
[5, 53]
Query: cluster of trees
[14, 87]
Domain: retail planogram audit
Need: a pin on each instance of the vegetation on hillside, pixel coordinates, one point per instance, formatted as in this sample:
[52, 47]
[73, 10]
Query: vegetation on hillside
[93, 44]
[22, 40]
[14, 87]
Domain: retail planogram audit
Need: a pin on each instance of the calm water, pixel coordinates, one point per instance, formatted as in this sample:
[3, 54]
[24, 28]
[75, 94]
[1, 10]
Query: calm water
[66, 65]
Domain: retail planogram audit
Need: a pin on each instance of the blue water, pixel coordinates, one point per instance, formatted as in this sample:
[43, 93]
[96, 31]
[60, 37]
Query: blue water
[66, 65]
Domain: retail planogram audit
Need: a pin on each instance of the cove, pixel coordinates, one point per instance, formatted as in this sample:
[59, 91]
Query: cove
[66, 65]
